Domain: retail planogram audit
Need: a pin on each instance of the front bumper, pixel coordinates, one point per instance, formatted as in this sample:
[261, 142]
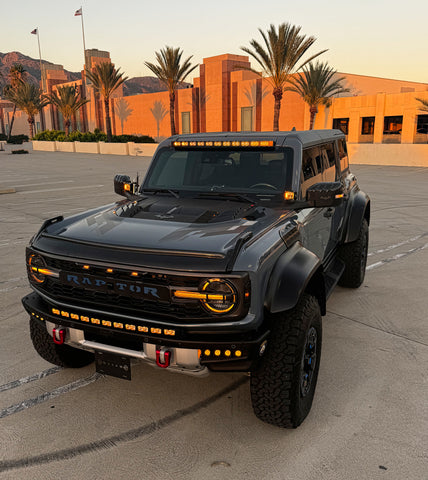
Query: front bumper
[225, 349]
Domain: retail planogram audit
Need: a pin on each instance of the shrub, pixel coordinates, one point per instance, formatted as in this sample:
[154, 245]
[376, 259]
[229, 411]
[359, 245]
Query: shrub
[18, 152]
[48, 135]
[18, 139]
[95, 136]
[3, 137]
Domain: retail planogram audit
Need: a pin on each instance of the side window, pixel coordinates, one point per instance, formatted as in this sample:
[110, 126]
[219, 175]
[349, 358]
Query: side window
[343, 155]
[312, 168]
[329, 156]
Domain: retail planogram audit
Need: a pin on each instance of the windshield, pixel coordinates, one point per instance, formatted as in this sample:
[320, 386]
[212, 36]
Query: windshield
[251, 171]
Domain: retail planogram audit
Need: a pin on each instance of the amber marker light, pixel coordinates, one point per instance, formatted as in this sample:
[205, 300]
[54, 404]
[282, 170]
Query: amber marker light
[339, 195]
[85, 267]
[288, 195]
[127, 187]
[238, 353]
[109, 270]
[134, 274]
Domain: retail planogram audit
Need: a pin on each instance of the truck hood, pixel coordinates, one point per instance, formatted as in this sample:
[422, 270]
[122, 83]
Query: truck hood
[161, 232]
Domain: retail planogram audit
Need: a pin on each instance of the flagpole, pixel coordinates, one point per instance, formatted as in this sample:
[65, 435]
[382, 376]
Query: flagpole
[43, 79]
[84, 93]
[40, 58]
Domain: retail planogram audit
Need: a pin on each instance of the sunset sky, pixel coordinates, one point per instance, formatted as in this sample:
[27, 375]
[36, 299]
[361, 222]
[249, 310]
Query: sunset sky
[367, 37]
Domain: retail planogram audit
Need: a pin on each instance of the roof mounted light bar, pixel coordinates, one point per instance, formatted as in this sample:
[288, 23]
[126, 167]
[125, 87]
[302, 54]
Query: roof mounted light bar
[224, 144]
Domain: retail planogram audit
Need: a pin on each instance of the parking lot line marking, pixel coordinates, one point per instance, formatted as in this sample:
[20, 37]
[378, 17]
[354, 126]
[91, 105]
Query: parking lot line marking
[32, 402]
[27, 192]
[45, 183]
[391, 247]
[31, 378]
[396, 257]
[113, 441]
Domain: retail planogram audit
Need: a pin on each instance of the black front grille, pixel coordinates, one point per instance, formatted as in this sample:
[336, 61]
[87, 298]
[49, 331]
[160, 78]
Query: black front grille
[124, 303]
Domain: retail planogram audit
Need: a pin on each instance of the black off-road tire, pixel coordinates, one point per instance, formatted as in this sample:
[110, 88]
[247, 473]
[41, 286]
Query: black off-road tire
[354, 255]
[279, 393]
[62, 355]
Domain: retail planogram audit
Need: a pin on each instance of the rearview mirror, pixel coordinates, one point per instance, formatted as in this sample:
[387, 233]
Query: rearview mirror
[325, 194]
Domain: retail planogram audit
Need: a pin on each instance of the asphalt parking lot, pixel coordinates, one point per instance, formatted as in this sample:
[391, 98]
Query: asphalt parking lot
[369, 418]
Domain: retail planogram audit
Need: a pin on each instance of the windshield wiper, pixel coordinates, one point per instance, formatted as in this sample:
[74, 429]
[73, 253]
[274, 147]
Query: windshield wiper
[237, 197]
[154, 191]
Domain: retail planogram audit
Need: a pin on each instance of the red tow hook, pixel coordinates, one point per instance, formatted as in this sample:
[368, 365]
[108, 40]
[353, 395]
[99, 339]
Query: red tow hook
[163, 362]
[59, 340]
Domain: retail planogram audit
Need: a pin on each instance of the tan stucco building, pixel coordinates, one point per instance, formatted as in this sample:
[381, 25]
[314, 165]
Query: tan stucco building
[228, 97]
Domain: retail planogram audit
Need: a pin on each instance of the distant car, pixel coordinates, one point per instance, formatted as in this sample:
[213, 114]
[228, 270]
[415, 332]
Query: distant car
[221, 260]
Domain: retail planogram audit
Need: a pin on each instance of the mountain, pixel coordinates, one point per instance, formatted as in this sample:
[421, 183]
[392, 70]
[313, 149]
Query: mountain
[132, 86]
[31, 65]
[137, 85]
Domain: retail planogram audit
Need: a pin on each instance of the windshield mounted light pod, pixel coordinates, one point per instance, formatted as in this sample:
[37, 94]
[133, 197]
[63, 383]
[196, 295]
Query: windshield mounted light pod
[216, 295]
[38, 269]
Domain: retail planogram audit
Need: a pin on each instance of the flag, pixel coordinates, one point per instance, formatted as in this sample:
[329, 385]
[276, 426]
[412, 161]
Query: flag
[34, 32]
[78, 12]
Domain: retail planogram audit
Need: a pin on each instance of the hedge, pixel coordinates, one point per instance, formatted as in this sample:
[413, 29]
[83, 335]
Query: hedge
[96, 136]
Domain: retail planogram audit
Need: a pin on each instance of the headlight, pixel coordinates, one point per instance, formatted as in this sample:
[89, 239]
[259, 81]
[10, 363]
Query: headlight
[216, 295]
[38, 270]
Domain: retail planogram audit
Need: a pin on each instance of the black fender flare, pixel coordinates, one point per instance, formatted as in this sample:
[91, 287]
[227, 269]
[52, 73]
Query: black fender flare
[297, 270]
[358, 210]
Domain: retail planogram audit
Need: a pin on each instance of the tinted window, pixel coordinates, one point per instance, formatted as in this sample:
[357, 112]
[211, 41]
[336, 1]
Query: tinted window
[312, 168]
[343, 155]
[252, 170]
[329, 156]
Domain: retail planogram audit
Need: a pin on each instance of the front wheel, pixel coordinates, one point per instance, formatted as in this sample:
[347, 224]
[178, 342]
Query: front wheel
[283, 384]
[354, 255]
[62, 355]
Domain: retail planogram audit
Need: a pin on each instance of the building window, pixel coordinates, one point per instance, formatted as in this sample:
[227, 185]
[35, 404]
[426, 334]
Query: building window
[185, 122]
[341, 124]
[393, 125]
[246, 119]
[422, 124]
[367, 125]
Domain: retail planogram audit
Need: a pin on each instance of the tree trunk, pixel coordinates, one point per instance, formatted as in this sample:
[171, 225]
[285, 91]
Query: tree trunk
[3, 131]
[11, 123]
[313, 110]
[171, 111]
[67, 126]
[108, 124]
[31, 124]
[277, 93]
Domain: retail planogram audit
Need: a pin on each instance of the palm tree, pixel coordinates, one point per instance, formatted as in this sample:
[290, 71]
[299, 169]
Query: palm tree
[66, 100]
[283, 49]
[106, 79]
[16, 76]
[424, 103]
[29, 99]
[171, 71]
[316, 86]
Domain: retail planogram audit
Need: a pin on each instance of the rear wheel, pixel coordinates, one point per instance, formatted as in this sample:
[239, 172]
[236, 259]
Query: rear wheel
[283, 384]
[62, 355]
[354, 255]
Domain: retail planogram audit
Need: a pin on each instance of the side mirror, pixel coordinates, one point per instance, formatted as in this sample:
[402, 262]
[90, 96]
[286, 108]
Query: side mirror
[325, 194]
[123, 185]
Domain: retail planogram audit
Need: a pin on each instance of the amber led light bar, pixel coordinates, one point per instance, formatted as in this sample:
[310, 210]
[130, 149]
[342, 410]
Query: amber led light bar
[224, 144]
[117, 325]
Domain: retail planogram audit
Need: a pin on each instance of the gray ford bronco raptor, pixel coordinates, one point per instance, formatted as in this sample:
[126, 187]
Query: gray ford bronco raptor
[221, 260]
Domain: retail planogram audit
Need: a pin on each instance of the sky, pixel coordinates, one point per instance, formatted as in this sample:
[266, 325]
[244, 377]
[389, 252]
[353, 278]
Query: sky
[366, 37]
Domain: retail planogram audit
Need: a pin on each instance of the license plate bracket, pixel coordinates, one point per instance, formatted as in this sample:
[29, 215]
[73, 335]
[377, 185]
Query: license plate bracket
[114, 365]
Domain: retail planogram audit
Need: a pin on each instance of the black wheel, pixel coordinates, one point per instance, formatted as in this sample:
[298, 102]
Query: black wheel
[62, 355]
[283, 384]
[354, 255]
